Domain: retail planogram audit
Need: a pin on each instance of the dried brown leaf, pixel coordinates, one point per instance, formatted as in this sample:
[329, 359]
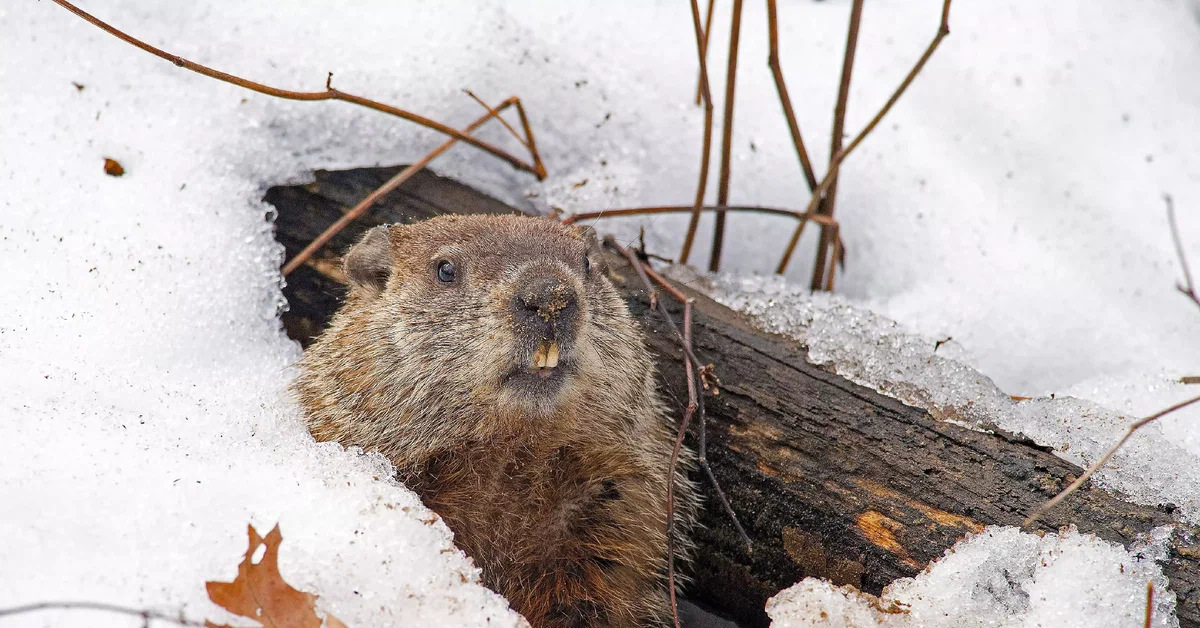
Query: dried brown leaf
[112, 167]
[260, 593]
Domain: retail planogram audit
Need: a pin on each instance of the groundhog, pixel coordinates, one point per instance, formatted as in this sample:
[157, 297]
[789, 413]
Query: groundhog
[492, 361]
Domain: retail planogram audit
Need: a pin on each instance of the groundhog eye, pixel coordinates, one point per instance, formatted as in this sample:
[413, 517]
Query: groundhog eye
[587, 264]
[446, 272]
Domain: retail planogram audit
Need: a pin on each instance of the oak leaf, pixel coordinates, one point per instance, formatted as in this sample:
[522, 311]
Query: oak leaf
[260, 593]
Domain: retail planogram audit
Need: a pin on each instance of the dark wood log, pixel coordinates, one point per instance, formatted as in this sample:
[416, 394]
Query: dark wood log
[831, 479]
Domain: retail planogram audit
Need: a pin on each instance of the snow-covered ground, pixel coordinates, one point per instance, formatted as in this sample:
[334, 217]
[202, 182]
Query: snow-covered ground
[1001, 577]
[1012, 200]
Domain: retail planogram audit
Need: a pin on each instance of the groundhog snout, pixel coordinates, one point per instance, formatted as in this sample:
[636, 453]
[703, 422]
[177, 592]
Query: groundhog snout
[545, 307]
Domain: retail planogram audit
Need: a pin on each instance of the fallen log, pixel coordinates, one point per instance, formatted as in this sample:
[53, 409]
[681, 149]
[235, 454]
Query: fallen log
[830, 479]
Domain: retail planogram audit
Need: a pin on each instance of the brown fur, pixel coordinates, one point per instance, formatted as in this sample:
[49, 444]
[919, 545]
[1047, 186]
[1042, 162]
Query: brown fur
[559, 497]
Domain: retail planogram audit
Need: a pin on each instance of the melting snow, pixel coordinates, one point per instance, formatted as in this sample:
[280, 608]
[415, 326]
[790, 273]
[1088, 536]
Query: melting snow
[1011, 200]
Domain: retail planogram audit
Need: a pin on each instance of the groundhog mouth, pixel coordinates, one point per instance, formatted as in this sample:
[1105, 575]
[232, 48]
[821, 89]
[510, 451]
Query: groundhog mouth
[543, 375]
[545, 359]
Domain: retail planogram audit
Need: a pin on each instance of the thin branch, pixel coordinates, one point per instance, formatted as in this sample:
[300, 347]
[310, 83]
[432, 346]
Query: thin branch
[692, 406]
[328, 94]
[704, 52]
[835, 235]
[1044, 508]
[835, 143]
[706, 148]
[784, 99]
[685, 339]
[1149, 603]
[382, 190]
[836, 163]
[714, 258]
[497, 116]
[943, 31]
[679, 209]
[145, 615]
[802, 217]
[530, 142]
[695, 403]
[1187, 288]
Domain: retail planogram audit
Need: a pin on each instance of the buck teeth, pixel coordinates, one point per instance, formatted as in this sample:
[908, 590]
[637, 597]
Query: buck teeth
[546, 356]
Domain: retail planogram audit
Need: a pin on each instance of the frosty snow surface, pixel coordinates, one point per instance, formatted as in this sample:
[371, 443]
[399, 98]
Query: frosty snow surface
[1011, 200]
[1000, 577]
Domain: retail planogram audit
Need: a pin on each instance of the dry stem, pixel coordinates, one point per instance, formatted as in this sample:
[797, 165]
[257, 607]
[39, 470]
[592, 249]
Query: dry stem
[537, 168]
[692, 368]
[145, 615]
[1149, 603]
[714, 258]
[784, 99]
[802, 217]
[704, 48]
[496, 114]
[693, 404]
[706, 149]
[835, 143]
[1187, 288]
[390, 185]
[835, 164]
[685, 339]
[678, 209]
[1044, 508]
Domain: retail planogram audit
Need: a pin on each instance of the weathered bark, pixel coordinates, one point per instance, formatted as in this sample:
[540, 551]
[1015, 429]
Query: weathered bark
[830, 479]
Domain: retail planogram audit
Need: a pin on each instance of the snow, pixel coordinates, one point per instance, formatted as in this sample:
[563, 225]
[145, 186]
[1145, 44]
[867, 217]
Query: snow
[145, 418]
[1011, 200]
[1000, 577]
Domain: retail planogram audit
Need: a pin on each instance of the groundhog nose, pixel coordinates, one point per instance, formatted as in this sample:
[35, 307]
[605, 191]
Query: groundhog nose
[545, 304]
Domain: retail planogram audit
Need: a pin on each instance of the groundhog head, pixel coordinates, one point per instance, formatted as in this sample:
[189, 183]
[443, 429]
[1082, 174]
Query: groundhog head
[469, 322]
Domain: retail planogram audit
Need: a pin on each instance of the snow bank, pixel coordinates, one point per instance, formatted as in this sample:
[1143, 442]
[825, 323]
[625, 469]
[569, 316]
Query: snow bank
[1011, 200]
[144, 420]
[1000, 577]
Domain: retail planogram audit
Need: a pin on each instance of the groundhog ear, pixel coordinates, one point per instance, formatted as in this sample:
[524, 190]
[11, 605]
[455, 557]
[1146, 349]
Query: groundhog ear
[369, 263]
[590, 239]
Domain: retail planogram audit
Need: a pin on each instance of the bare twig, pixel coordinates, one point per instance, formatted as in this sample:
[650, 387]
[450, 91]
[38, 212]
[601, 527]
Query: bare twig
[706, 148]
[678, 209]
[709, 382]
[714, 258]
[942, 32]
[382, 190]
[1187, 288]
[1149, 603]
[1044, 508]
[328, 94]
[835, 235]
[145, 615]
[530, 142]
[692, 406]
[835, 164]
[802, 217]
[497, 116]
[784, 99]
[827, 204]
[685, 339]
[704, 51]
